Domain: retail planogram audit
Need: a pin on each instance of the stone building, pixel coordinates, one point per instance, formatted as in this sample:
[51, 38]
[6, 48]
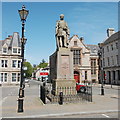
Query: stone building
[110, 68]
[41, 74]
[85, 60]
[10, 59]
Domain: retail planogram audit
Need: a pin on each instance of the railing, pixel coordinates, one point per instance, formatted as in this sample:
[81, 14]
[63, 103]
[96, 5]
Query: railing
[69, 94]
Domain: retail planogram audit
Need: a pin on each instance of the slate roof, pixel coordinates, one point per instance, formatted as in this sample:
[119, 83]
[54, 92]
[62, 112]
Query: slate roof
[15, 42]
[11, 41]
[93, 49]
[112, 38]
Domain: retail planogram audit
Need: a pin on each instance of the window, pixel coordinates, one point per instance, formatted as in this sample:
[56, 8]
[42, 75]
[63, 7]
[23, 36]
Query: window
[75, 42]
[14, 63]
[117, 59]
[4, 50]
[19, 50]
[85, 75]
[116, 45]
[19, 63]
[107, 48]
[13, 77]
[76, 57]
[93, 66]
[5, 77]
[118, 74]
[4, 63]
[112, 60]
[113, 75]
[1, 77]
[14, 50]
[18, 77]
[111, 47]
[108, 61]
[93, 80]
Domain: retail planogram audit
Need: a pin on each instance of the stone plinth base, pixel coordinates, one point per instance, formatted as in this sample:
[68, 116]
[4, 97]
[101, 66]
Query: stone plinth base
[61, 72]
[68, 87]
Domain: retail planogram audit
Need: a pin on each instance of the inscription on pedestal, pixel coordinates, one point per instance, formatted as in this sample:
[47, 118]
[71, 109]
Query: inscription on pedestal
[65, 70]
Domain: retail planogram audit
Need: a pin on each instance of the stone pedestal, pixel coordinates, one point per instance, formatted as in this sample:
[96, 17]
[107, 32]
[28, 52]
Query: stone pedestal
[61, 72]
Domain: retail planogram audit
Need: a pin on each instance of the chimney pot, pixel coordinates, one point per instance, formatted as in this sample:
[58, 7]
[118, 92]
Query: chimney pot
[110, 31]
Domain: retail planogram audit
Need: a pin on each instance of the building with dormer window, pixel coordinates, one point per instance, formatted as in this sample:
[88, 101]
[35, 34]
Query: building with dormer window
[85, 60]
[10, 59]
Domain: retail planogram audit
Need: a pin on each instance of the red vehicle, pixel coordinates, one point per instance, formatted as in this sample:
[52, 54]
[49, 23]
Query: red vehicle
[80, 87]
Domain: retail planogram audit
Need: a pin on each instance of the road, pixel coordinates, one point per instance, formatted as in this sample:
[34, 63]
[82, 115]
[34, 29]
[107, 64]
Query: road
[32, 89]
[34, 85]
[13, 90]
[95, 115]
[97, 90]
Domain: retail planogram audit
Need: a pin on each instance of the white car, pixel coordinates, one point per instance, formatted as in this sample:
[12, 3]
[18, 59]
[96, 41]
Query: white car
[26, 80]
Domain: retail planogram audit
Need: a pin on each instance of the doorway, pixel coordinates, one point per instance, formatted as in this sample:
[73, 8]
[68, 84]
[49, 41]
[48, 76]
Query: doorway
[77, 76]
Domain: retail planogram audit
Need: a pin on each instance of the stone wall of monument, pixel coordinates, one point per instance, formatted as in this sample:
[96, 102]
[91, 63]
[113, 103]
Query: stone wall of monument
[53, 66]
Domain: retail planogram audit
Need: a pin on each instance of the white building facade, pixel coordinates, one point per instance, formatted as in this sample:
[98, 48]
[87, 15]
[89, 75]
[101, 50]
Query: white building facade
[41, 74]
[10, 59]
[110, 58]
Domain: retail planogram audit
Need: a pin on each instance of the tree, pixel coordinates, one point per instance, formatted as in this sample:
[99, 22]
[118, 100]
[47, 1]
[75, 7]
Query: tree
[43, 64]
[28, 72]
[34, 67]
[43, 61]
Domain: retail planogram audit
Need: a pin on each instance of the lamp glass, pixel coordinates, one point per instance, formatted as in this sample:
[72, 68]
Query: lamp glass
[23, 14]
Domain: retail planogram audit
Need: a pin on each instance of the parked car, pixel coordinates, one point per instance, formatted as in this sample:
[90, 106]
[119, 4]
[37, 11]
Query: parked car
[80, 87]
[26, 80]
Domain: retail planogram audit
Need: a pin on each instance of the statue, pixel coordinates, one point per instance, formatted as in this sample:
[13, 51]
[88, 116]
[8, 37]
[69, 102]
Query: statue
[62, 32]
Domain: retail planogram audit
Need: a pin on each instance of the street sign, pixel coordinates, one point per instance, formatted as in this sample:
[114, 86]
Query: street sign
[43, 73]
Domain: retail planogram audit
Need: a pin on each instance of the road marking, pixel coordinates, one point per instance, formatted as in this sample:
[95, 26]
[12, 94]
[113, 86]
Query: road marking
[64, 114]
[106, 115]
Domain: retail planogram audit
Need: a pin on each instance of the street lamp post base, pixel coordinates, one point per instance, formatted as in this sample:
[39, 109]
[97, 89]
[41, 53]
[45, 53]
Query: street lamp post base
[20, 105]
[102, 91]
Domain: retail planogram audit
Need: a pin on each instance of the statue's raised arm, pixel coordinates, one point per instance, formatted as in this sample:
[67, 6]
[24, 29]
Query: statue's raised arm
[62, 32]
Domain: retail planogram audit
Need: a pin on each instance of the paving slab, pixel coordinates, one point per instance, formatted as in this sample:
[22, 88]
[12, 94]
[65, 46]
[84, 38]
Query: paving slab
[33, 107]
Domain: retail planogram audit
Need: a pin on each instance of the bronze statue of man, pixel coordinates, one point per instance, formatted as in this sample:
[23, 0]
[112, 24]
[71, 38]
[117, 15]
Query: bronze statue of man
[62, 32]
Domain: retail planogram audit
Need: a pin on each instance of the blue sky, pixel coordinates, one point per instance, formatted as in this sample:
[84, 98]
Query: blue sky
[86, 19]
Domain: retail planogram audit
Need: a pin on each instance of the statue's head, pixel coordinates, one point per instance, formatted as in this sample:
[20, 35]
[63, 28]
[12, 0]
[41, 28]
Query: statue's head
[61, 16]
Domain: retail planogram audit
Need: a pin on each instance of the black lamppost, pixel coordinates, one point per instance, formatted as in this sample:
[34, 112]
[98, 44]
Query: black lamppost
[101, 69]
[23, 15]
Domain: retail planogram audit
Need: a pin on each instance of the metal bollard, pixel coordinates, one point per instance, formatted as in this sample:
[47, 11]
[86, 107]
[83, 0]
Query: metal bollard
[43, 94]
[102, 90]
[61, 98]
[44, 84]
[20, 105]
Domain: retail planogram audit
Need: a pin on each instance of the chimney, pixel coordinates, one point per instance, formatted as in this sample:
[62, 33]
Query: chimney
[9, 37]
[82, 39]
[110, 31]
